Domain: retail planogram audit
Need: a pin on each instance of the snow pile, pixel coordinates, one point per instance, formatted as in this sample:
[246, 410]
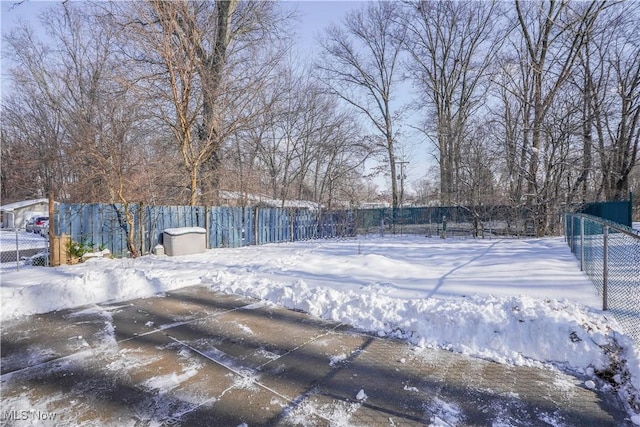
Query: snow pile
[516, 330]
[503, 300]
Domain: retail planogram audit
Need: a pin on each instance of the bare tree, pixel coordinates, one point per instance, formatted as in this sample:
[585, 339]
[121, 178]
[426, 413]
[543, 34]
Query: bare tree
[31, 115]
[452, 45]
[302, 137]
[553, 34]
[83, 108]
[178, 54]
[211, 57]
[610, 70]
[32, 139]
[339, 158]
[360, 64]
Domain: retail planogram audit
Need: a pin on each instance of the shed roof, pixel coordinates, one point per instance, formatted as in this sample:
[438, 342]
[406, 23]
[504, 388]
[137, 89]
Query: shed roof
[23, 204]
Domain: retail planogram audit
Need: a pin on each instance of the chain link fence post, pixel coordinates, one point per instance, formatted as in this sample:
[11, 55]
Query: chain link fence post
[17, 250]
[581, 244]
[605, 270]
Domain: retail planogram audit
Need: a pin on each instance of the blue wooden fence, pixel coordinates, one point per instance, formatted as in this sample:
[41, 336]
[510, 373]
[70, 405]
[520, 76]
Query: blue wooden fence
[97, 225]
[104, 225]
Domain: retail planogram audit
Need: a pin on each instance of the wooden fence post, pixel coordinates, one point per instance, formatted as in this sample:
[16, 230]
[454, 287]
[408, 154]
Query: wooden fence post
[142, 245]
[207, 226]
[256, 221]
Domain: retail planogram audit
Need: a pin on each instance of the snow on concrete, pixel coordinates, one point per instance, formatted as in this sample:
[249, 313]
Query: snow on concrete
[522, 302]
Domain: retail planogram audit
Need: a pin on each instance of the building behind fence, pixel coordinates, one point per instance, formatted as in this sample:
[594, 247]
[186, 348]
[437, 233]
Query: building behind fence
[609, 253]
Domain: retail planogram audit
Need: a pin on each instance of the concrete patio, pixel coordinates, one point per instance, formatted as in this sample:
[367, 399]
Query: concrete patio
[196, 358]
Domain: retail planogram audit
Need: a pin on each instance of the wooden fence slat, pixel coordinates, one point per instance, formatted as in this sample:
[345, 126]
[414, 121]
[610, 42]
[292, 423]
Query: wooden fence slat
[213, 243]
[262, 228]
[229, 227]
[257, 226]
[271, 228]
[175, 218]
[214, 240]
[266, 218]
[238, 222]
[85, 224]
[152, 225]
[220, 227]
[202, 217]
[119, 234]
[102, 235]
[222, 234]
[224, 226]
[97, 234]
[76, 223]
[246, 227]
[274, 225]
[231, 218]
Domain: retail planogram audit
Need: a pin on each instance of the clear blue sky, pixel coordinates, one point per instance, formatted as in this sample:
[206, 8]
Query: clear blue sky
[317, 15]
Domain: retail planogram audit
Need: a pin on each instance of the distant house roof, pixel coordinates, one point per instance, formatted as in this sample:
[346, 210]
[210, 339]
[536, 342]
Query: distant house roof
[374, 205]
[267, 201]
[23, 204]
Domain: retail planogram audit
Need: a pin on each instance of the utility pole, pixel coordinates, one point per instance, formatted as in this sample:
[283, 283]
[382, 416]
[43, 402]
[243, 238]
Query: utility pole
[402, 176]
[401, 163]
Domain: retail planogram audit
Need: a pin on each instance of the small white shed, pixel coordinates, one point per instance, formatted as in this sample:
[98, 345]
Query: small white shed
[184, 241]
[15, 215]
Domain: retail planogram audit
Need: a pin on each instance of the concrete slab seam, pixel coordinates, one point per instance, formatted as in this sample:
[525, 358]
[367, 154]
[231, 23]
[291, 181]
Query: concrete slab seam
[292, 402]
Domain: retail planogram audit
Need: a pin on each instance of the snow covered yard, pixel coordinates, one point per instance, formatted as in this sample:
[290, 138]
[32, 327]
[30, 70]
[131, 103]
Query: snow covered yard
[522, 302]
[10, 240]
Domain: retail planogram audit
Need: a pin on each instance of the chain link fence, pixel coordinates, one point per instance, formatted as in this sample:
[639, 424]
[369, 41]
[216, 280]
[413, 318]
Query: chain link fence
[448, 221]
[609, 254]
[19, 247]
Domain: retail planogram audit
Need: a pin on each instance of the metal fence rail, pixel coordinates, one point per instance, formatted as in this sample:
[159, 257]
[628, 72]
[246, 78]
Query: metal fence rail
[610, 255]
